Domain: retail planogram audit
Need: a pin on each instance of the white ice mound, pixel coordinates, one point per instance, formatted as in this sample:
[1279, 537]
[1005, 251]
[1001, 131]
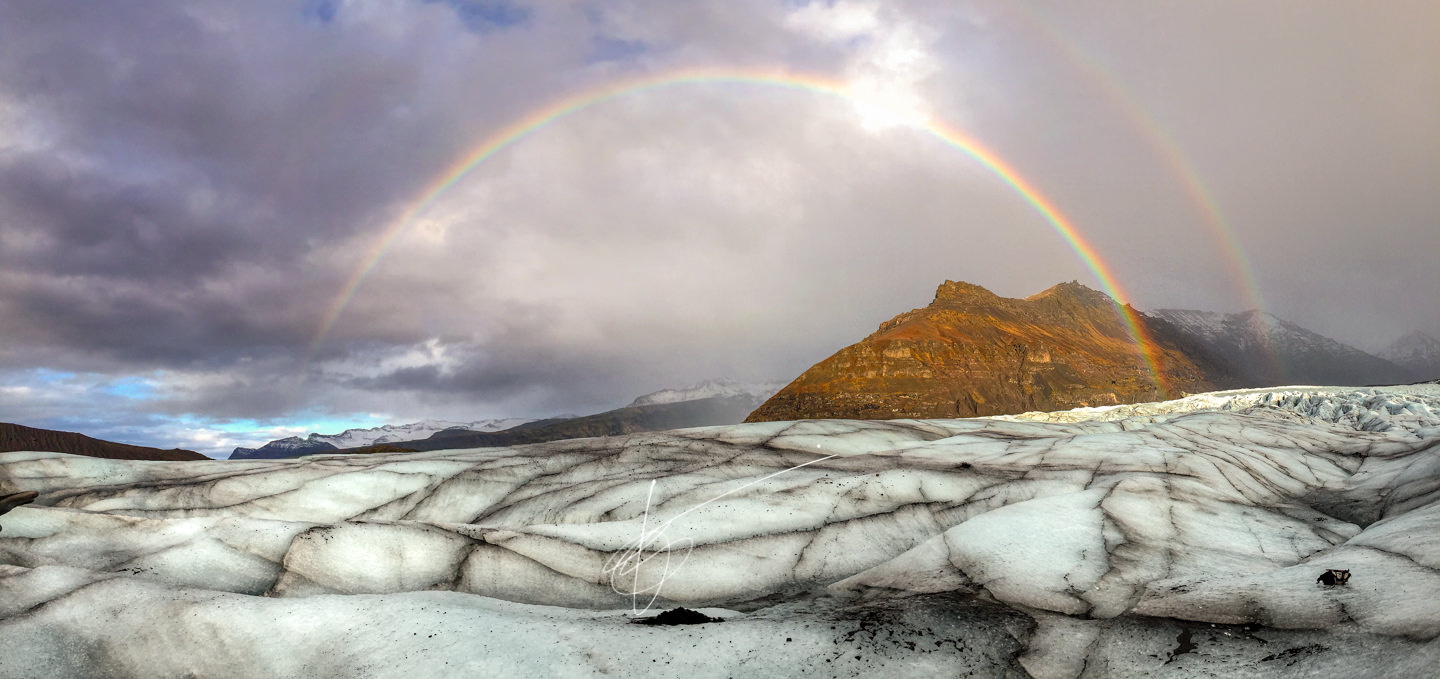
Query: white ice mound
[1414, 408]
[1218, 508]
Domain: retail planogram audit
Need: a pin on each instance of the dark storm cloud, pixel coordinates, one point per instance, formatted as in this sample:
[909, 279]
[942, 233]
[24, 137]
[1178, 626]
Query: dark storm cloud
[171, 158]
[144, 96]
[69, 221]
[185, 188]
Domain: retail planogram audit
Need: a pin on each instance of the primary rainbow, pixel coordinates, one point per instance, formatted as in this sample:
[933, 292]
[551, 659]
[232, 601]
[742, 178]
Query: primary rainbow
[819, 85]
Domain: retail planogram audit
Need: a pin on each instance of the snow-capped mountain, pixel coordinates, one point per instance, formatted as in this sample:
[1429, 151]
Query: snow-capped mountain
[390, 433]
[294, 446]
[1417, 352]
[290, 446]
[722, 388]
[1266, 350]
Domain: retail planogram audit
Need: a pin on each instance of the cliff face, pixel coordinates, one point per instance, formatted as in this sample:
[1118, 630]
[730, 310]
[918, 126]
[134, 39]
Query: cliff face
[972, 352]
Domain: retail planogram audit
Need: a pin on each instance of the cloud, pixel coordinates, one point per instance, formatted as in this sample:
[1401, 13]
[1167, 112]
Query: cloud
[841, 21]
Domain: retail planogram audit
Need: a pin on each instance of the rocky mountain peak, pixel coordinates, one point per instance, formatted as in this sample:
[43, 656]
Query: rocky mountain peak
[1073, 291]
[1415, 342]
[952, 292]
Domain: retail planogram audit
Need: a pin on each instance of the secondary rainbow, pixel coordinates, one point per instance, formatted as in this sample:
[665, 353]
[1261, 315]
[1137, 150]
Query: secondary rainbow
[948, 134]
[1168, 151]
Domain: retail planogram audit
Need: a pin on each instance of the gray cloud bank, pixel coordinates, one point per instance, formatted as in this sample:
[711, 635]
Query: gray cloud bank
[186, 188]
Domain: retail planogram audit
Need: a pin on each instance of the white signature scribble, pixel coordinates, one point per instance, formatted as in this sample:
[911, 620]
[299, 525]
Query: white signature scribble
[623, 567]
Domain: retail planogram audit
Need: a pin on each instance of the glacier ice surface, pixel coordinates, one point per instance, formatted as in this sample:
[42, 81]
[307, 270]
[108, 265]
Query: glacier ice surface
[1169, 539]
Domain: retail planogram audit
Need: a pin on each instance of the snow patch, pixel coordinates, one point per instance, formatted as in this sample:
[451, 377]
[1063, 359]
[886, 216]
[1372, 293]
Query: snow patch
[757, 392]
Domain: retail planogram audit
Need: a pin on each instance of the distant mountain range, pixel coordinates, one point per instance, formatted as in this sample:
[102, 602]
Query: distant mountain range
[1416, 352]
[632, 419]
[295, 446]
[970, 352]
[15, 437]
[721, 388]
[1269, 351]
[708, 403]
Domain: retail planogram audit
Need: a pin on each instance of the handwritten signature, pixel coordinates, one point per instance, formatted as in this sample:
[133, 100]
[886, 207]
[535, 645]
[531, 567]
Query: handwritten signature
[624, 566]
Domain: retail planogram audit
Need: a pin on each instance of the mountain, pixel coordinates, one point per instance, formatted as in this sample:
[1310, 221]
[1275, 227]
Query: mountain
[1270, 351]
[15, 437]
[295, 446]
[291, 446]
[725, 388]
[708, 403]
[711, 402]
[1416, 352]
[701, 412]
[972, 352]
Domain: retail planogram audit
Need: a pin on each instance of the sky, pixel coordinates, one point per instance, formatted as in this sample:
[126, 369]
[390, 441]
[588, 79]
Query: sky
[223, 223]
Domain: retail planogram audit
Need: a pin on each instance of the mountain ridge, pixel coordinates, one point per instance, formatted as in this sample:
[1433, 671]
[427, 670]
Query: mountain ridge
[1271, 351]
[17, 437]
[723, 387]
[714, 410]
[971, 352]
[295, 446]
[709, 402]
[1416, 352]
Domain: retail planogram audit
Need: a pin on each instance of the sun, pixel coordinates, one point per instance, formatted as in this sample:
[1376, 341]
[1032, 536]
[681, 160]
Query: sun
[881, 108]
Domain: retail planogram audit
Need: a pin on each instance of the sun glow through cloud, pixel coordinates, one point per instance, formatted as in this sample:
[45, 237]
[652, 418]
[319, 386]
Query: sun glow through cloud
[879, 110]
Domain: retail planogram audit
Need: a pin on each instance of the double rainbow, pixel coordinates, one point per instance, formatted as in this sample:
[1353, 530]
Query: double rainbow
[1168, 151]
[940, 130]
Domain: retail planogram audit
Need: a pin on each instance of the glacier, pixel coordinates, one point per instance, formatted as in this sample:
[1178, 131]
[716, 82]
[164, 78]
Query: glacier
[1174, 539]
